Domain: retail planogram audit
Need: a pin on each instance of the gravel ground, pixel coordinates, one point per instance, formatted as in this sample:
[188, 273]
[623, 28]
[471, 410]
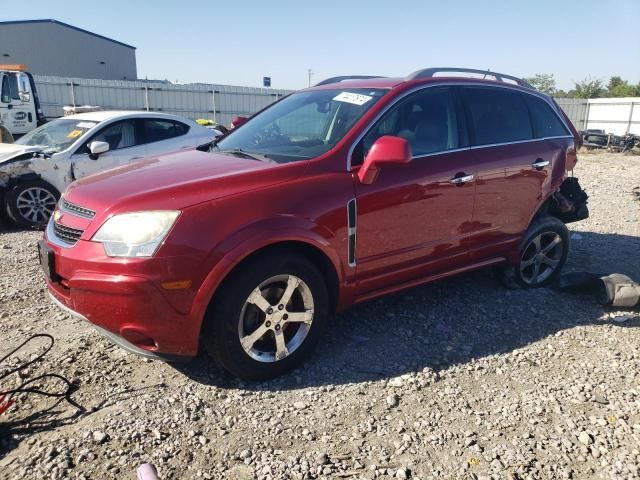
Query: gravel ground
[460, 379]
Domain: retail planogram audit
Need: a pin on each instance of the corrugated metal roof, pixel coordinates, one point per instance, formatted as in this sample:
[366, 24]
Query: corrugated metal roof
[51, 20]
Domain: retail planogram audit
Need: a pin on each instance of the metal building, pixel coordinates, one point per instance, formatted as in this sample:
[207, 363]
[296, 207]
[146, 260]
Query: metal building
[50, 47]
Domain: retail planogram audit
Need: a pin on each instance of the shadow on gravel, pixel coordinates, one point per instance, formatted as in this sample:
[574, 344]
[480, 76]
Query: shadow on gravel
[449, 322]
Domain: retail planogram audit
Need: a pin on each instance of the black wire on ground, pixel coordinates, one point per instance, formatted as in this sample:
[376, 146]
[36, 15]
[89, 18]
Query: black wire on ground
[25, 387]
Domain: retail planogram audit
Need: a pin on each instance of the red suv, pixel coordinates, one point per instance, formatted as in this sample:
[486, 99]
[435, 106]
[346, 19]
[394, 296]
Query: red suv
[334, 195]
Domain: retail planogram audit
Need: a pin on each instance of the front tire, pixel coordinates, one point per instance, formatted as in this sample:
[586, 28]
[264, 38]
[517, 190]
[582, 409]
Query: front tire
[267, 317]
[542, 255]
[30, 204]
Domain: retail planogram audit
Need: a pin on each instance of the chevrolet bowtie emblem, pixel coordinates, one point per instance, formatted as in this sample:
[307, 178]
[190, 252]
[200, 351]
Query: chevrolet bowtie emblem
[57, 215]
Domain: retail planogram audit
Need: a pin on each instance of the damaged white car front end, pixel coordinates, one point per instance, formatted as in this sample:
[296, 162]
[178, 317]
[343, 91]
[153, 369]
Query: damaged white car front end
[36, 169]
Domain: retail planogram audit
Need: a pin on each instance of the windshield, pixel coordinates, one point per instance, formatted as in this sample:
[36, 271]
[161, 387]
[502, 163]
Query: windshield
[302, 125]
[58, 135]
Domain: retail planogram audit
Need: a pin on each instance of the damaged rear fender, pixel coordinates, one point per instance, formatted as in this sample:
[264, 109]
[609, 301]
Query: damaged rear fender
[568, 203]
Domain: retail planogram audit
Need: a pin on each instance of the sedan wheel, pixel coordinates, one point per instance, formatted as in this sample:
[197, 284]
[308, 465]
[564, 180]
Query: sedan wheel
[36, 204]
[31, 203]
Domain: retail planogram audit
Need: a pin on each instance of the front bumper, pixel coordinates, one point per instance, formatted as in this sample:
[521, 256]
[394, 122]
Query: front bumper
[125, 298]
[121, 342]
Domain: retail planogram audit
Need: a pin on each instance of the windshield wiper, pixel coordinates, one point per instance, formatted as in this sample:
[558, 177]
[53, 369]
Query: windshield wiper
[238, 152]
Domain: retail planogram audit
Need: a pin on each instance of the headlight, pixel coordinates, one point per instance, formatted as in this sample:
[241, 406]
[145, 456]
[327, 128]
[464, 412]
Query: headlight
[137, 234]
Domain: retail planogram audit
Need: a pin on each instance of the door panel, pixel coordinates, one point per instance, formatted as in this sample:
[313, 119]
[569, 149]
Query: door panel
[18, 116]
[124, 147]
[413, 221]
[411, 215]
[508, 188]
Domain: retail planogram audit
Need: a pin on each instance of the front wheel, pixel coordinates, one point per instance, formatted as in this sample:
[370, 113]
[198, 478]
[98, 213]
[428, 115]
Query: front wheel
[267, 317]
[543, 253]
[30, 204]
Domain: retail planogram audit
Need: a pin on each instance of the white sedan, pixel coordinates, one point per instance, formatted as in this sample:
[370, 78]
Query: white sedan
[39, 166]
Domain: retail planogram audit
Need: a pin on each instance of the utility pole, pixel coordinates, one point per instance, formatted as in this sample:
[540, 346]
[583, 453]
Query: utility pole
[309, 75]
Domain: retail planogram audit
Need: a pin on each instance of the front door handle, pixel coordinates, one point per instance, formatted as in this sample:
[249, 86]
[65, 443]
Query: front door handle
[539, 164]
[461, 180]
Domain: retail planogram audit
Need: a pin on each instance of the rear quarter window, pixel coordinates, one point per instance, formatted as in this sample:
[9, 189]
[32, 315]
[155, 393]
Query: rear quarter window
[157, 130]
[544, 120]
[497, 115]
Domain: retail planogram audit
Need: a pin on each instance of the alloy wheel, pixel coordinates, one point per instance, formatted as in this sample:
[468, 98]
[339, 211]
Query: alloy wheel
[36, 204]
[276, 318]
[541, 257]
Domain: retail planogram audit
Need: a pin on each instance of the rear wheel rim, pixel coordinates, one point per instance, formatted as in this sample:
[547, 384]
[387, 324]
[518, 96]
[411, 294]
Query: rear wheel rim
[36, 204]
[541, 258]
[276, 318]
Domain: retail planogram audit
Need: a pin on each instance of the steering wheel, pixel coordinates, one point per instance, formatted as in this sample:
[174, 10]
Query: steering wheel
[271, 131]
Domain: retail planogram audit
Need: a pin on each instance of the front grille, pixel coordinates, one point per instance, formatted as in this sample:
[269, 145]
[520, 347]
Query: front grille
[67, 234]
[77, 209]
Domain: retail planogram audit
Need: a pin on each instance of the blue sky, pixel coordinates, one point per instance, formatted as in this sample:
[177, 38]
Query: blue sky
[237, 42]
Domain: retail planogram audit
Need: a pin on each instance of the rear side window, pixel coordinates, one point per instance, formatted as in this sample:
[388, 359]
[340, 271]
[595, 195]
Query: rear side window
[157, 130]
[497, 115]
[545, 121]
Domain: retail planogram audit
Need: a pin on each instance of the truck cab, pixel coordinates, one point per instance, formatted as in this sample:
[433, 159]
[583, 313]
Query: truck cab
[20, 110]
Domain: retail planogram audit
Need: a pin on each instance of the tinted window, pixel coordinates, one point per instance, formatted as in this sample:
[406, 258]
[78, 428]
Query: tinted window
[157, 130]
[118, 135]
[427, 120]
[545, 121]
[497, 115]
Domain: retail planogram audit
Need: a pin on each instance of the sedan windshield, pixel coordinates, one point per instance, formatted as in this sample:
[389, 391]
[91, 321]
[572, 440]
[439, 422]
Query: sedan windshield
[57, 135]
[301, 126]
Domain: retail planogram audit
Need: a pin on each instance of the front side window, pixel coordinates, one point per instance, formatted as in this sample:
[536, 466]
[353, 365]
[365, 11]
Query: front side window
[545, 121]
[58, 135]
[497, 115]
[118, 135]
[301, 126]
[10, 88]
[427, 120]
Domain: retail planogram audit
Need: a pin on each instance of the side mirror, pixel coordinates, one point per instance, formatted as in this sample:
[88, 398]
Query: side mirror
[97, 148]
[386, 150]
[236, 122]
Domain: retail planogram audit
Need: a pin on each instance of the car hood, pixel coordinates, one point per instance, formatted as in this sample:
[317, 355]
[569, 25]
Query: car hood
[9, 151]
[175, 181]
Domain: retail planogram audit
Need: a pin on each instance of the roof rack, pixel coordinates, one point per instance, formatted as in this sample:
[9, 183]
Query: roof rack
[500, 77]
[346, 77]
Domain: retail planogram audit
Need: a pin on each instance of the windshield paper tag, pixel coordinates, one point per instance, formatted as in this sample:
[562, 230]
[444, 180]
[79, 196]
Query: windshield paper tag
[353, 98]
[85, 125]
[74, 134]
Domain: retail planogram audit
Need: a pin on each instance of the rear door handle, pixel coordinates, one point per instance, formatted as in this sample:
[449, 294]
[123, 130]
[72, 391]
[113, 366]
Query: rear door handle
[460, 180]
[539, 164]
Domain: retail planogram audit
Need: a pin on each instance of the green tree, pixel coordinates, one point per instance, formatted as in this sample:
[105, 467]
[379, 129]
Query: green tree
[621, 88]
[543, 82]
[589, 88]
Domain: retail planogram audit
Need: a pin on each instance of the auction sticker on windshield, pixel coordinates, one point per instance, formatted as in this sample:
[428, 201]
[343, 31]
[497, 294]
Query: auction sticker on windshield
[85, 125]
[74, 134]
[353, 98]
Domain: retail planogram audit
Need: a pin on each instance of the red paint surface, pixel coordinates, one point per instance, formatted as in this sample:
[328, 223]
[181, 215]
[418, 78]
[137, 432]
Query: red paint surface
[413, 225]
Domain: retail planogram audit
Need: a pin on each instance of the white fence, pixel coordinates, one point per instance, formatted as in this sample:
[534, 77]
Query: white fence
[216, 102]
[223, 102]
[613, 115]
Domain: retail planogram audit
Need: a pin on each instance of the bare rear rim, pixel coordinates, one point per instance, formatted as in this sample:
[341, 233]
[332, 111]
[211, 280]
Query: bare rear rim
[541, 258]
[276, 318]
[36, 204]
